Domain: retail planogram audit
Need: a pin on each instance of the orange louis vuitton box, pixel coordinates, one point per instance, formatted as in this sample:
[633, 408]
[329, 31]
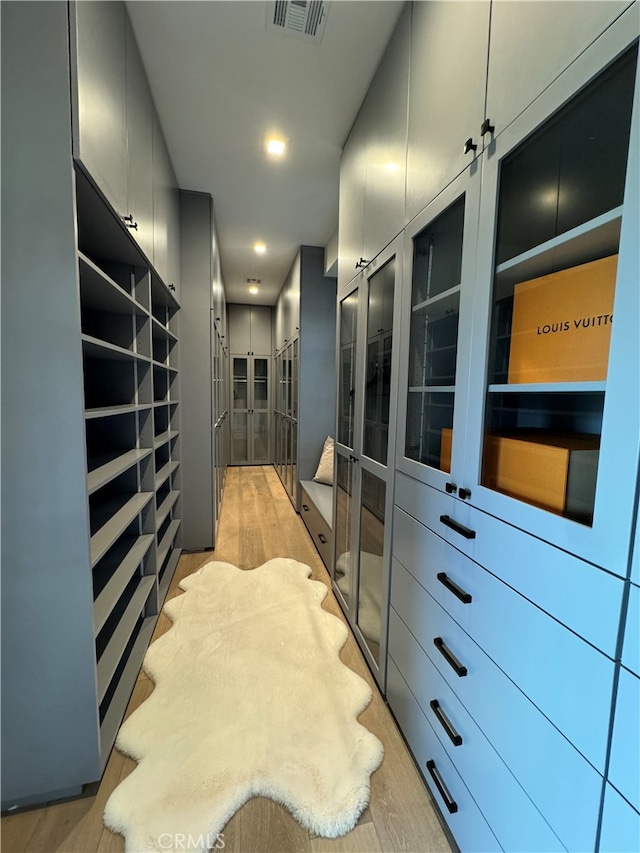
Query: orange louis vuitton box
[561, 325]
[555, 472]
[445, 449]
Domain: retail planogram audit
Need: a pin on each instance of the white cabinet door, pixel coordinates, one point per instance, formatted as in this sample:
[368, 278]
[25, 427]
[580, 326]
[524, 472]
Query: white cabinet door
[384, 120]
[139, 146]
[240, 328]
[446, 94]
[100, 129]
[161, 202]
[260, 330]
[439, 264]
[351, 204]
[533, 42]
[555, 198]
[173, 237]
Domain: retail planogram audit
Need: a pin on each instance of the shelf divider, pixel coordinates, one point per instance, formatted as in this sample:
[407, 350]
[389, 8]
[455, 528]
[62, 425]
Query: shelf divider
[109, 532]
[110, 470]
[111, 656]
[113, 589]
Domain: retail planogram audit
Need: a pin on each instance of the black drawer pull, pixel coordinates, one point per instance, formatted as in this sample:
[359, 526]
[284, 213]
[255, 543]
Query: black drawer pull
[305, 507]
[450, 658]
[449, 802]
[445, 722]
[459, 528]
[464, 597]
[322, 538]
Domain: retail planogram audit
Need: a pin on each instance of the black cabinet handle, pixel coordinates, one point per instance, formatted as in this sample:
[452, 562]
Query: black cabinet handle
[445, 722]
[470, 146]
[464, 597]
[450, 658]
[464, 494]
[450, 488]
[128, 221]
[449, 802]
[487, 127]
[305, 507]
[362, 263]
[322, 538]
[459, 528]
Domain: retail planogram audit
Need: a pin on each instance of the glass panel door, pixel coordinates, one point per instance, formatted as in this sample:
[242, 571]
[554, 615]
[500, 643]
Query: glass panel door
[240, 410]
[371, 562]
[366, 417]
[433, 340]
[349, 388]
[553, 418]
[343, 526]
[347, 368]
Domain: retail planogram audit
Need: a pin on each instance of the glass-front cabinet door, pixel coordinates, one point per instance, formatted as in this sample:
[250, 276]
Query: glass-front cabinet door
[250, 412]
[440, 248]
[366, 418]
[553, 383]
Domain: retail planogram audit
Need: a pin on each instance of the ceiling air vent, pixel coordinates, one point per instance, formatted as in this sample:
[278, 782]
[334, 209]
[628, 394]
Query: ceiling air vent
[303, 18]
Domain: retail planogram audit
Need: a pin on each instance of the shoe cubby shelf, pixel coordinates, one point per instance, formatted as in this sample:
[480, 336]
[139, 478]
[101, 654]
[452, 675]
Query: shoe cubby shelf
[130, 357]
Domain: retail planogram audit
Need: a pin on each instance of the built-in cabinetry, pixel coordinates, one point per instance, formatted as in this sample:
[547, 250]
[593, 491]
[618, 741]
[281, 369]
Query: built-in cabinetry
[518, 420]
[373, 164]
[117, 135]
[518, 458]
[304, 405]
[367, 360]
[91, 429]
[204, 372]
[250, 384]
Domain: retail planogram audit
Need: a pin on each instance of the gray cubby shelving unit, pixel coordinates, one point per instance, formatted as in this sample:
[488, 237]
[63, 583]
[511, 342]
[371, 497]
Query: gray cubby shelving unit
[132, 437]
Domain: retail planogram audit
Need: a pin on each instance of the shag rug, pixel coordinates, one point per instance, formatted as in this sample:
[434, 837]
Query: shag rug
[250, 699]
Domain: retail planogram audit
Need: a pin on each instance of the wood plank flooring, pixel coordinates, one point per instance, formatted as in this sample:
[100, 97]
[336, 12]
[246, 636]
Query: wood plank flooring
[258, 523]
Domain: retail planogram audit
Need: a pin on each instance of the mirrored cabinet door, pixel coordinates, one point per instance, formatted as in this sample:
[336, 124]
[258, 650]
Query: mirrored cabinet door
[554, 415]
[439, 253]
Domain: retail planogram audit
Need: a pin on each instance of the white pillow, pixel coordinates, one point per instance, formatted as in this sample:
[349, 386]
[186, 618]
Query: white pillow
[324, 474]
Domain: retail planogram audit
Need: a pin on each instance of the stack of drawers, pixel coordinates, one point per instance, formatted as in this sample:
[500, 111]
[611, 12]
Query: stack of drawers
[621, 816]
[501, 673]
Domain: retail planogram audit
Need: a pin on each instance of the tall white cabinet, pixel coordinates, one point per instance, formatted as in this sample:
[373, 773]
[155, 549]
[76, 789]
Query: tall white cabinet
[513, 581]
[91, 424]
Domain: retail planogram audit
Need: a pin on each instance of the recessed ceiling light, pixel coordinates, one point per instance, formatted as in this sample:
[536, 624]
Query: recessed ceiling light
[276, 147]
[253, 290]
[260, 248]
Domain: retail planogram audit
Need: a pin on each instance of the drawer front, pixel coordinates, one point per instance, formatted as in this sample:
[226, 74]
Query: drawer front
[512, 816]
[624, 767]
[317, 527]
[584, 598]
[620, 825]
[469, 828]
[558, 671]
[424, 503]
[631, 647]
[527, 742]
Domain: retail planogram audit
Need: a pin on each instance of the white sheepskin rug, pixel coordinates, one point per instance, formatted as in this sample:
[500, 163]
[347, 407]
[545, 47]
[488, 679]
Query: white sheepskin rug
[250, 699]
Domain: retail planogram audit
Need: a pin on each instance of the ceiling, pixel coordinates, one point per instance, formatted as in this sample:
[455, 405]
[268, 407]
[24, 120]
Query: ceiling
[222, 81]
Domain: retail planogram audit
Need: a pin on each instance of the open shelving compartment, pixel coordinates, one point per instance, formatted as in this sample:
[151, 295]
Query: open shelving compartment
[129, 345]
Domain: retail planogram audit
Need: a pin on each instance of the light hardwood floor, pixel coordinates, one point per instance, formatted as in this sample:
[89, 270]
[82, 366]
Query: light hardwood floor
[258, 523]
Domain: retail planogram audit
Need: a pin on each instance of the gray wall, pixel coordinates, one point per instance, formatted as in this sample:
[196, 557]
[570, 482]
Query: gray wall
[316, 418]
[49, 721]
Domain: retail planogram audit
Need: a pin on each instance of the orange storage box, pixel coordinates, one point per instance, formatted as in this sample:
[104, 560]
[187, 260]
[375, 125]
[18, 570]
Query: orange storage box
[561, 325]
[555, 472]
